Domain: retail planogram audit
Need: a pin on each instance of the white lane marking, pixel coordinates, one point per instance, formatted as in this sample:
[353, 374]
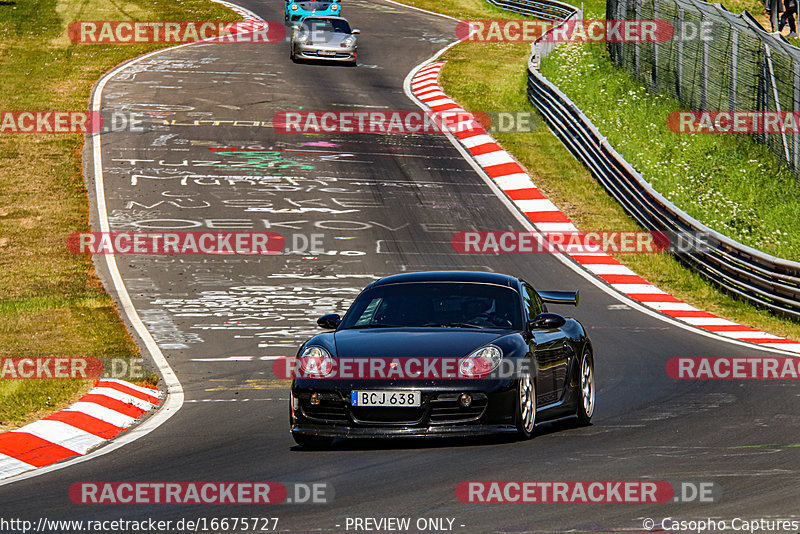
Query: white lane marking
[673, 306]
[708, 321]
[497, 157]
[225, 359]
[639, 289]
[511, 182]
[608, 268]
[440, 101]
[791, 347]
[11, 466]
[477, 140]
[748, 334]
[556, 227]
[536, 204]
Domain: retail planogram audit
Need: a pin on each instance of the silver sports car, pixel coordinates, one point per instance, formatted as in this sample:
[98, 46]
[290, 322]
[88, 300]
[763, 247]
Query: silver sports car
[324, 38]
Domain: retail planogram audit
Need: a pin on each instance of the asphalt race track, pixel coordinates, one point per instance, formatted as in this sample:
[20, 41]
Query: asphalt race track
[386, 204]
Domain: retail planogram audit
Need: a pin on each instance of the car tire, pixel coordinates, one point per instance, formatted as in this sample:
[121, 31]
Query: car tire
[586, 389]
[525, 416]
[312, 442]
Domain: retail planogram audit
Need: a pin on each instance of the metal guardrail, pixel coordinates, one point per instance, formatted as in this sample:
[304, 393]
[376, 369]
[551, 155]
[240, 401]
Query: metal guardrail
[547, 10]
[760, 278]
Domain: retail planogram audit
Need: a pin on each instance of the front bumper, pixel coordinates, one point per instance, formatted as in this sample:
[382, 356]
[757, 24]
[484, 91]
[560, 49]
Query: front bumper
[325, 53]
[440, 413]
[300, 14]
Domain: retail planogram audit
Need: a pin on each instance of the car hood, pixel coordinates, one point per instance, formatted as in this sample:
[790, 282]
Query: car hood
[328, 38]
[411, 342]
[314, 6]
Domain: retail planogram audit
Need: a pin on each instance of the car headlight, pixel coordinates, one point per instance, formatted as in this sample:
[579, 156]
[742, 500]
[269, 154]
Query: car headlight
[302, 39]
[481, 362]
[316, 362]
[334, 7]
[348, 42]
[293, 7]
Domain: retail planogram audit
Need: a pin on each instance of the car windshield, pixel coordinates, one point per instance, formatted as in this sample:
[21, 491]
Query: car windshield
[326, 25]
[436, 304]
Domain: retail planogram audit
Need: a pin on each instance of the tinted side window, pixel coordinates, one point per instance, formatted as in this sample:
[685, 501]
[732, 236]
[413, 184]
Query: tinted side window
[533, 304]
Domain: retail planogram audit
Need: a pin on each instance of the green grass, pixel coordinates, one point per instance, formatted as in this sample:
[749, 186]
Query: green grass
[492, 76]
[51, 302]
[731, 183]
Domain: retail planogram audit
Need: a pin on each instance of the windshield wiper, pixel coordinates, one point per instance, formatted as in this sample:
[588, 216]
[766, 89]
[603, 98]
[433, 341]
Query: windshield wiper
[454, 325]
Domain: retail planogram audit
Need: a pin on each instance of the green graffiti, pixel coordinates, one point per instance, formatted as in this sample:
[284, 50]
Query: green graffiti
[262, 159]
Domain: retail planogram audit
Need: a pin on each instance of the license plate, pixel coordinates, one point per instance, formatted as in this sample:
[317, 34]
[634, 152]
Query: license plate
[327, 52]
[386, 398]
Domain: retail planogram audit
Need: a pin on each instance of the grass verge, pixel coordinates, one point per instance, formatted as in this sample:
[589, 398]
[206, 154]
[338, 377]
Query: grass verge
[492, 76]
[51, 302]
[731, 183]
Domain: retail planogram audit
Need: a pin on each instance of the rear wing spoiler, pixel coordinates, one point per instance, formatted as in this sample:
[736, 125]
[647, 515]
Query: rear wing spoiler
[559, 297]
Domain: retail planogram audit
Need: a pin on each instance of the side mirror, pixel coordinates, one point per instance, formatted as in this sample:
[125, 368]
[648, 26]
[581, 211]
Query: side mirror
[295, 28]
[355, 32]
[330, 321]
[547, 320]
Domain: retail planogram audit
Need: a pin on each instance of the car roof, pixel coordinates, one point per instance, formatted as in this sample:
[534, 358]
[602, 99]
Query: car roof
[449, 276]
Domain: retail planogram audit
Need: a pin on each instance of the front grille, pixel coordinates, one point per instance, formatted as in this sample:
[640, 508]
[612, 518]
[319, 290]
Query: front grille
[336, 55]
[445, 408]
[330, 409]
[371, 414]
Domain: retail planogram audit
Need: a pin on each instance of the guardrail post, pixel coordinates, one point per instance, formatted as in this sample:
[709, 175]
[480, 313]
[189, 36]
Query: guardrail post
[679, 54]
[654, 83]
[621, 13]
[732, 95]
[796, 135]
[763, 94]
[637, 6]
[704, 81]
[776, 97]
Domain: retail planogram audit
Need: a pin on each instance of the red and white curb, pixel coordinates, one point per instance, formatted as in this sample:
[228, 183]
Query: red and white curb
[546, 217]
[246, 14]
[111, 406]
[105, 411]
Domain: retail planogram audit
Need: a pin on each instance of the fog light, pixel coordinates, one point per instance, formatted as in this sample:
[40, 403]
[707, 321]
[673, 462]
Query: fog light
[465, 400]
[315, 398]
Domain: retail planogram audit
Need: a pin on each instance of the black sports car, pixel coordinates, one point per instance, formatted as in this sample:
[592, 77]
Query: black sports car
[450, 353]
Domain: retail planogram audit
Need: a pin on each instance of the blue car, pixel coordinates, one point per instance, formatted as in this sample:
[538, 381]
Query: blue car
[297, 10]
